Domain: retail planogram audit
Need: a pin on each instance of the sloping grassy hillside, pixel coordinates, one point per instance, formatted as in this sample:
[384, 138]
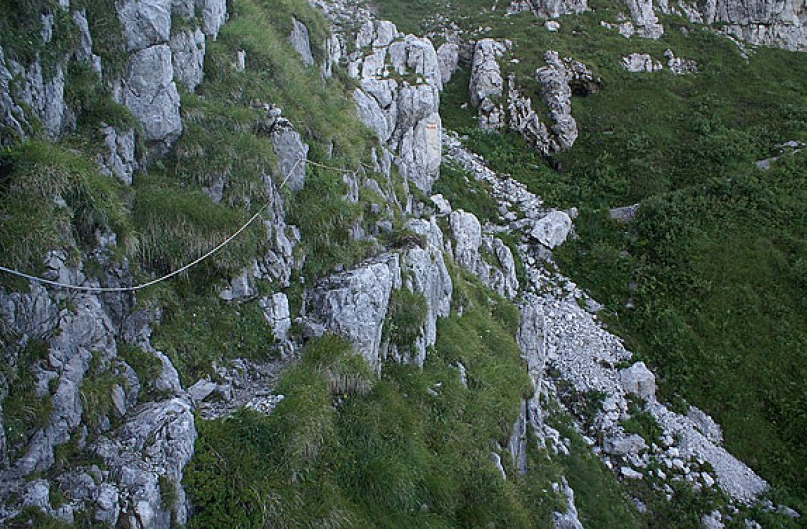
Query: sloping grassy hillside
[412, 449]
[714, 265]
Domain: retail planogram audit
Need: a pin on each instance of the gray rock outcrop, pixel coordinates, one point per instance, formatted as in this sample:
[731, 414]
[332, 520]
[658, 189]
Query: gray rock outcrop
[300, 42]
[485, 256]
[353, 304]
[569, 518]
[448, 55]
[188, 57]
[556, 8]
[760, 22]
[640, 62]
[487, 86]
[150, 94]
[645, 19]
[146, 454]
[145, 23]
[424, 272]
[680, 66]
[403, 114]
[214, 14]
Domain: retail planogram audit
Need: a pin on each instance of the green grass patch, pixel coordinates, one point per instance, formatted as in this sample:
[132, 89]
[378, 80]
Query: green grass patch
[199, 330]
[24, 412]
[393, 455]
[51, 197]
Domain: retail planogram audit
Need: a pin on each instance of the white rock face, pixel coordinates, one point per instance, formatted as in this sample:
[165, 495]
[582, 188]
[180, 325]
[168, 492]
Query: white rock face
[448, 55]
[425, 273]
[469, 246]
[156, 441]
[552, 230]
[151, 95]
[120, 159]
[188, 57]
[640, 62]
[403, 115]
[277, 315]
[353, 304]
[26, 89]
[214, 14]
[145, 22]
[639, 380]
[557, 8]
[644, 18]
[486, 86]
[300, 41]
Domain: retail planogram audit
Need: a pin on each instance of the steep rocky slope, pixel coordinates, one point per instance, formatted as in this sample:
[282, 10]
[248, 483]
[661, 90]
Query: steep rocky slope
[360, 351]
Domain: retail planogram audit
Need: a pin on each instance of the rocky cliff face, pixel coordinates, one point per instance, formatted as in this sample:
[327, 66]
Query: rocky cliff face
[776, 24]
[78, 347]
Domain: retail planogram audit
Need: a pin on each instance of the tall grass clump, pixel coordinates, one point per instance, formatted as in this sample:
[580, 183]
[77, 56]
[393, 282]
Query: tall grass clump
[54, 198]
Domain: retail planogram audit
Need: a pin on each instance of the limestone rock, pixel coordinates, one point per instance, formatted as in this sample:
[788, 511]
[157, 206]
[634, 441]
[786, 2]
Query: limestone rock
[300, 42]
[371, 114]
[557, 8]
[644, 18]
[188, 57]
[640, 62]
[333, 54]
[469, 241]
[152, 97]
[530, 338]
[624, 445]
[353, 304]
[185, 9]
[417, 135]
[552, 230]
[145, 23]
[276, 313]
[761, 22]
[29, 93]
[707, 426]
[121, 158]
[680, 66]
[214, 14]
[276, 266]
[425, 273]
[569, 518]
[448, 56]
[557, 95]
[155, 441]
[637, 379]
[84, 45]
[487, 86]
[241, 287]
[441, 204]
[292, 154]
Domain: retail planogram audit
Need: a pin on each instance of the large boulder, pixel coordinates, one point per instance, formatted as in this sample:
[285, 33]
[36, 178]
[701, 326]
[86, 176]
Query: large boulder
[552, 230]
[639, 380]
